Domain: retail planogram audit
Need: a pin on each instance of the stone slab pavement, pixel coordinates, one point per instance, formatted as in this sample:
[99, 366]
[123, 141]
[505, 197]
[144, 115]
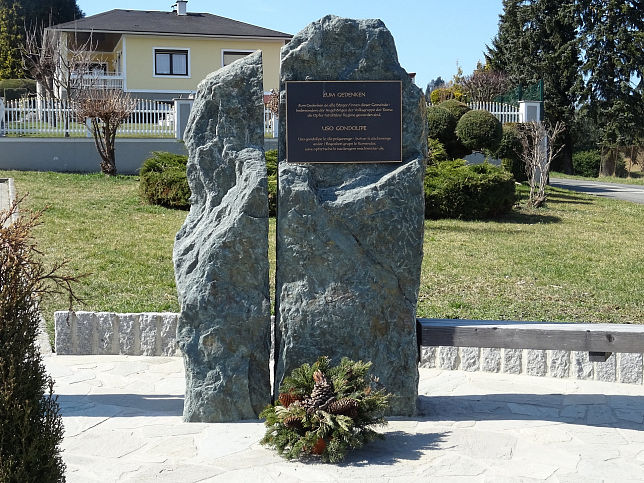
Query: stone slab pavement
[122, 417]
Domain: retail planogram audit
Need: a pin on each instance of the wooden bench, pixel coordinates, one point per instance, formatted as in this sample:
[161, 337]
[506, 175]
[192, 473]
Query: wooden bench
[599, 340]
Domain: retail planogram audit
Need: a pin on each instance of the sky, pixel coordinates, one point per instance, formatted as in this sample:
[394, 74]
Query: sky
[432, 36]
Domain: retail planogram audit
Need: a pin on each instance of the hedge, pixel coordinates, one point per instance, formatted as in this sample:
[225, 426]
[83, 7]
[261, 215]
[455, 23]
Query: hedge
[164, 181]
[456, 190]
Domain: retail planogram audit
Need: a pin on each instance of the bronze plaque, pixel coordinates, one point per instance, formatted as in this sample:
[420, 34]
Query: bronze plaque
[344, 121]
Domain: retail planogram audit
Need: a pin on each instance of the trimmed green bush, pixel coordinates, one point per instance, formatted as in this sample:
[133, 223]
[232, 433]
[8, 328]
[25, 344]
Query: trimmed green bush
[457, 108]
[586, 163]
[164, 181]
[441, 124]
[271, 170]
[509, 152]
[479, 130]
[12, 89]
[436, 151]
[31, 426]
[456, 190]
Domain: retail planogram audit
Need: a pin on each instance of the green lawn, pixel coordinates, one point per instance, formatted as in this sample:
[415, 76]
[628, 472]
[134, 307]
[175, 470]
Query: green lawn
[578, 259]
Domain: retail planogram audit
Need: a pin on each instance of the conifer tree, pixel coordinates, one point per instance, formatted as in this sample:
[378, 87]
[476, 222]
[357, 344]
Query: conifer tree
[612, 35]
[537, 39]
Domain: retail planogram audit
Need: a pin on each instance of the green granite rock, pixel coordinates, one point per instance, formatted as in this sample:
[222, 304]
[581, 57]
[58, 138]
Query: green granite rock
[350, 236]
[221, 252]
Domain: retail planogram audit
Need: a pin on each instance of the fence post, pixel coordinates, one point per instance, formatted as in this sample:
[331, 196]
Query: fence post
[2, 130]
[529, 111]
[182, 109]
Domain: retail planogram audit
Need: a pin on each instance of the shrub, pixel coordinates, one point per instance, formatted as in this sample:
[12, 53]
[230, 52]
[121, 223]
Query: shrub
[164, 181]
[271, 170]
[479, 130]
[441, 124]
[31, 428]
[456, 190]
[12, 89]
[509, 152]
[436, 151]
[457, 108]
[586, 163]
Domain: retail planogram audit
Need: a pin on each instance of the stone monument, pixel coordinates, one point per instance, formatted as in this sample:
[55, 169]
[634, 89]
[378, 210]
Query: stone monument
[350, 235]
[221, 252]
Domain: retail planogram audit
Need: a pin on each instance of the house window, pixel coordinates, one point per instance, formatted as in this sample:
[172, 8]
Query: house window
[230, 56]
[171, 62]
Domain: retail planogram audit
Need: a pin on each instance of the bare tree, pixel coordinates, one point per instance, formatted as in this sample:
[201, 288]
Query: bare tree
[538, 140]
[59, 65]
[484, 84]
[106, 109]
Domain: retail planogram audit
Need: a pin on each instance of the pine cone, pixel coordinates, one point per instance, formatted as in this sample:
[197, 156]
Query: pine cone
[346, 406]
[322, 391]
[288, 398]
[293, 422]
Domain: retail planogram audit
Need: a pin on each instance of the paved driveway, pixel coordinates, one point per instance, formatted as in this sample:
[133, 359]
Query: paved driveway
[627, 192]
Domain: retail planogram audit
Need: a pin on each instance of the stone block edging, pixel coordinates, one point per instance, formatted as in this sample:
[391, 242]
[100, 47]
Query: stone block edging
[154, 334]
[619, 367]
[110, 333]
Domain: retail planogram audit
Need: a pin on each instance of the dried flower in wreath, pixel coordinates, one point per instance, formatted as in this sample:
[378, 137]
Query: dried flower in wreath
[326, 411]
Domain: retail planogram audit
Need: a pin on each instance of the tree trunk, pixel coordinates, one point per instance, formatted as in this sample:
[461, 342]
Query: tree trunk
[565, 156]
[608, 164]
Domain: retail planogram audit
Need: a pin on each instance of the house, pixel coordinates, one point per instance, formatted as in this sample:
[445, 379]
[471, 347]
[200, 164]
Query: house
[164, 55]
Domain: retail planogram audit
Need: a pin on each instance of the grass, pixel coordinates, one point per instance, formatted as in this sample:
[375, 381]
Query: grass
[637, 177]
[578, 259]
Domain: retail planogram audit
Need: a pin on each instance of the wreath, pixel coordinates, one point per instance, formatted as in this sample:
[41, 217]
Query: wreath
[326, 411]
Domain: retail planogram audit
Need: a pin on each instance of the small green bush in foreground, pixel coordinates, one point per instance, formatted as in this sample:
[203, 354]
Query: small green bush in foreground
[164, 181]
[271, 171]
[456, 190]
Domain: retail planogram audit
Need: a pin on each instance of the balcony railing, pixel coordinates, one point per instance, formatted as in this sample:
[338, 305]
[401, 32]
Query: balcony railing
[110, 80]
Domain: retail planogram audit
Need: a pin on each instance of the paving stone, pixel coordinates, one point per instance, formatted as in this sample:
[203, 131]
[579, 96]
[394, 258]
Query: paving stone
[470, 358]
[106, 328]
[582, 367]
[534, 411]
[636, 416]
[607, 371]
[150, 327]
[84, 334]
[448, 358]
[63, 323]
[600, 414]
[512, 361]
[491, 360]
[559, 363]
[536, 364]
[428, 357]
[129, 335]
[574, 412]
[630, 368]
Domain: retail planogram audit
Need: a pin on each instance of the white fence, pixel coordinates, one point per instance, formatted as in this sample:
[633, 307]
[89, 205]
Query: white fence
[271, 122]
[55, 118]
[503, 112]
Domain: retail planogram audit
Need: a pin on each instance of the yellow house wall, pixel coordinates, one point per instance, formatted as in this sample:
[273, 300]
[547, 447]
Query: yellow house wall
[205, 57]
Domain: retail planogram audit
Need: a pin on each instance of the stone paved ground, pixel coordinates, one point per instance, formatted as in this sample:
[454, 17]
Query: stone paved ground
[4, 194]
[122, 418]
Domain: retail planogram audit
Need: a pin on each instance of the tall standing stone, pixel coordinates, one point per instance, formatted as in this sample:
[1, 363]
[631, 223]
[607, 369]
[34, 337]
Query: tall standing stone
[221, 252]
[350, 236]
